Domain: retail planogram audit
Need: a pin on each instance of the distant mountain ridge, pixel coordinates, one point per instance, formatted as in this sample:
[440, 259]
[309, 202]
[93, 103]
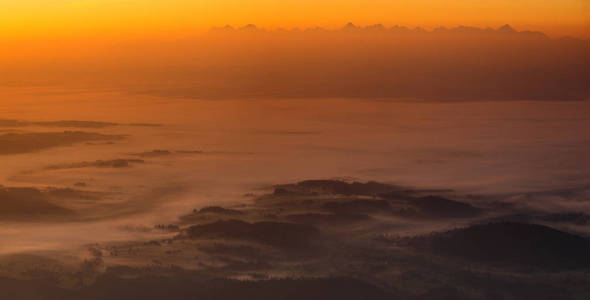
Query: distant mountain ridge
[350, 27]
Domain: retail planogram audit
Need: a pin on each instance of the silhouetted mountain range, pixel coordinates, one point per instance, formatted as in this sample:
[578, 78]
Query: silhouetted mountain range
[445, 64]
[380, 28]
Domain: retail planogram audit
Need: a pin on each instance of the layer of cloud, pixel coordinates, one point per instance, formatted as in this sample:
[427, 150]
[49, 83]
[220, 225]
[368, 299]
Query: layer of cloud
[461, 64]
[32, 205]
[114, 163]
[66, 123]
[15, 143]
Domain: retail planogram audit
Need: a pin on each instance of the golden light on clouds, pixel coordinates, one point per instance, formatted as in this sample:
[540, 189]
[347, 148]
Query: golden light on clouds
[34, 18]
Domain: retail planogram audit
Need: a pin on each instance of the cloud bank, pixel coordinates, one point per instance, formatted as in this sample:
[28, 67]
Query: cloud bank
[446, 64]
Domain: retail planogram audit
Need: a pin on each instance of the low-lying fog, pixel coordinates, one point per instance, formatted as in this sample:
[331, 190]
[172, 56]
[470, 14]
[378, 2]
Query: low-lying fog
[105, 194]
[136, 160]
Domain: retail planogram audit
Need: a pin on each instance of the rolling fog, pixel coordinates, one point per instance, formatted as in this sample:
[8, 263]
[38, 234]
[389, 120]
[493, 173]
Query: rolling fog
[146, 160]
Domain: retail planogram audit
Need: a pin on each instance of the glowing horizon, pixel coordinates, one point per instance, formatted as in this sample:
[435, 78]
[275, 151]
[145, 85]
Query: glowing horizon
[24, 19]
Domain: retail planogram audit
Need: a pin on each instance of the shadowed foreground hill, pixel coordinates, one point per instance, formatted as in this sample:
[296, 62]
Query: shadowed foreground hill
[194, 288]
[354, 198]
[321, 239]
[272, 233]
[336, 187]
[439, 207]
[514, 244]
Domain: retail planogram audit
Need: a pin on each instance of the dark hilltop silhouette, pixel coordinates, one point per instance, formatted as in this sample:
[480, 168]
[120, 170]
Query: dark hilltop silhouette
[511, 244]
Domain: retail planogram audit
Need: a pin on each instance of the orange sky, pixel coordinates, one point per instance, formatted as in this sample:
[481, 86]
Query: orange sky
[24, 19]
